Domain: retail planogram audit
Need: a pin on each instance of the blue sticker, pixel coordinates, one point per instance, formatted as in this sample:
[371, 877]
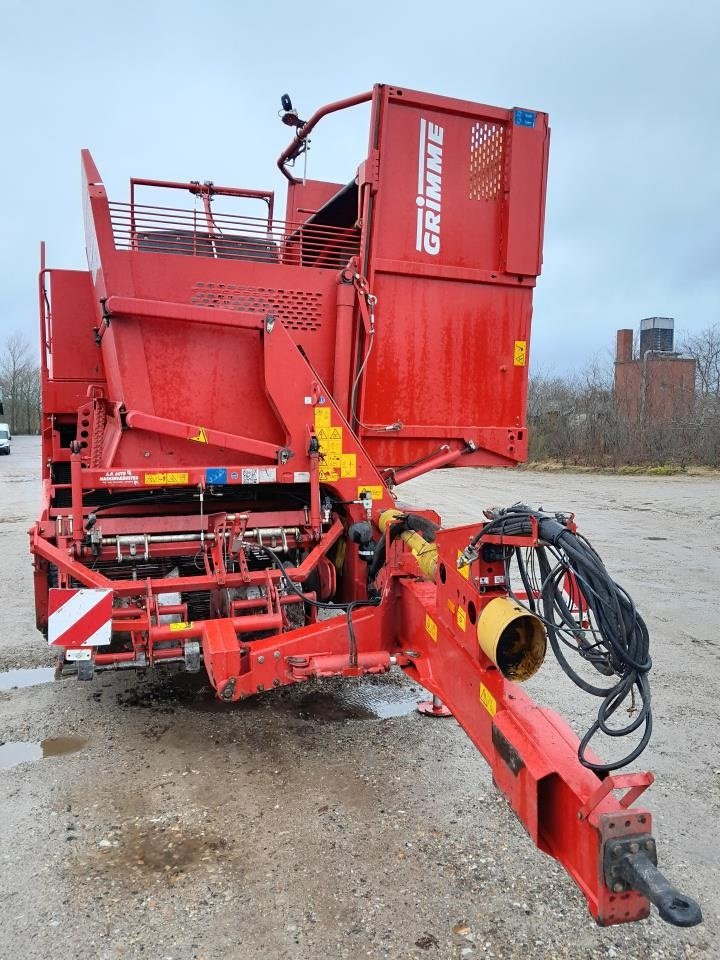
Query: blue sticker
[216, 475]
[524, 118]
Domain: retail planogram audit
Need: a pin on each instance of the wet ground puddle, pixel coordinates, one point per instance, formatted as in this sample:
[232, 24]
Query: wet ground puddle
[327, 701]
[14, 679]
[14, 752]
[331, 702]
[361, 702]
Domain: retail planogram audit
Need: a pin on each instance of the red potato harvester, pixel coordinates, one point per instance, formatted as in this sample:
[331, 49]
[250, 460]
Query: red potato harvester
[229, 401]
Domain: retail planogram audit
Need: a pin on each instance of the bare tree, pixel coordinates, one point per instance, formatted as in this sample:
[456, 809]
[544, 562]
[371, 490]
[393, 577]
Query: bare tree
[574, 419]
[20, 383]
[704, 348]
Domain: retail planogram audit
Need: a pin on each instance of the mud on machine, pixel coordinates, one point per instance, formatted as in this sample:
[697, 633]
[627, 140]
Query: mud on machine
[229, 402]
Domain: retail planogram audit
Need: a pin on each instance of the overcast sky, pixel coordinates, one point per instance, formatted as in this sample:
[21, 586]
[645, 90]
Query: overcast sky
[179, 90]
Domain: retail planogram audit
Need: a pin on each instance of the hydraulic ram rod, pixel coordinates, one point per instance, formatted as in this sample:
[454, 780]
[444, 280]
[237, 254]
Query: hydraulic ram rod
[139, 539]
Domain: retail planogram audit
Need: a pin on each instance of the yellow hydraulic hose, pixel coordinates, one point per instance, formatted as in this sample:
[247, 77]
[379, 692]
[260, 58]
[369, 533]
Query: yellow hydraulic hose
[425, 553]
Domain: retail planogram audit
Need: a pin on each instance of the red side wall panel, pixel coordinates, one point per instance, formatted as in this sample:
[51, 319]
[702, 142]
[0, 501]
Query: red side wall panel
[74, 353]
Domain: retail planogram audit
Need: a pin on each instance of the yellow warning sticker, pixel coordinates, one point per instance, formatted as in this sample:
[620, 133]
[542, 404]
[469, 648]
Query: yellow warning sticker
[488, 700]
[165, 479]
[520, 355]
[348, 465]
[431, 627]
[200, 436]
[461, 617]
[334, 463]
[175, 627]
[375, 492]
[329, 468]
[464, 570]
[322, 417]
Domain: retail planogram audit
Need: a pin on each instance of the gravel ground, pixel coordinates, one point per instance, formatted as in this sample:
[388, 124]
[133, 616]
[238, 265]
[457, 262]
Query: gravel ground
[334, 821]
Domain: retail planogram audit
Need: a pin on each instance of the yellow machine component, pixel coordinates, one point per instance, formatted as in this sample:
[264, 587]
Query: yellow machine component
[424, 552]
[512, 638]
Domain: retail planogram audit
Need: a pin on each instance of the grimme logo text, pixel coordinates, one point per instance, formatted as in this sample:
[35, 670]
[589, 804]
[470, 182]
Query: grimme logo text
[429, 196]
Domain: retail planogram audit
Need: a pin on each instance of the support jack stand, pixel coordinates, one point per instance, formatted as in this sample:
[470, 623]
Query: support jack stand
[433, 708]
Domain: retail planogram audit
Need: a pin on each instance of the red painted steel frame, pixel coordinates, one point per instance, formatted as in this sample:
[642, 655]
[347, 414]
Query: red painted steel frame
[532, 752]
[211, 391]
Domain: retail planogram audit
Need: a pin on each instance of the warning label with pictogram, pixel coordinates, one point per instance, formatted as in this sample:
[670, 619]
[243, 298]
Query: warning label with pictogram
[200, 436]
[334, 462]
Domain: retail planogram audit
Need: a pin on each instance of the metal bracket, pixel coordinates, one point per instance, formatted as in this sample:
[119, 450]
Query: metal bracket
[192, 656]
[85, 669]
[634, 783]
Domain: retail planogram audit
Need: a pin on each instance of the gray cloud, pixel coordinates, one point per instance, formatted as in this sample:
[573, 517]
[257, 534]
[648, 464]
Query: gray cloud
[175, 90]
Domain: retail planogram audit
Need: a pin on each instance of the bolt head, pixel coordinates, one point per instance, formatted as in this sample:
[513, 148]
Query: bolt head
[261, 659]
[634, 847]
[617, 850]
[277, 654]
[618, 887]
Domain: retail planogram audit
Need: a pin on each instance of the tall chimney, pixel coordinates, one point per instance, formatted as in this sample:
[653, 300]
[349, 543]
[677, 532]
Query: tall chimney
[623, 352]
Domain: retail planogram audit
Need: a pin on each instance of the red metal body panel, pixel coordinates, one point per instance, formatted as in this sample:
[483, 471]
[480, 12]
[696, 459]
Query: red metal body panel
[453, 254]
[307, 197]
[228, 402]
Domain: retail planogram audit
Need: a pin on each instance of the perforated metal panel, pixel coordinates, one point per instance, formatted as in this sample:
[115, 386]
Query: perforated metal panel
[487, 154]
[298, 309]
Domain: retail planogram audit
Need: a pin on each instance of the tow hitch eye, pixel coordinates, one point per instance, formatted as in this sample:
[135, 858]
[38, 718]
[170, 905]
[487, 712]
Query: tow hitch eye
[631, 864]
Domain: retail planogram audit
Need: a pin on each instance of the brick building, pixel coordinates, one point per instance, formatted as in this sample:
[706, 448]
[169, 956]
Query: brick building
[658, 385]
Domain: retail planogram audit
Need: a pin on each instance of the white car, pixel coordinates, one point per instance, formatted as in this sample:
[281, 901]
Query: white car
[5, 438]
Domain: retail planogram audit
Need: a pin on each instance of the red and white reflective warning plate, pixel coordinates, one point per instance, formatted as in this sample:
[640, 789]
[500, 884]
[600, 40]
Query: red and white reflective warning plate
[79, 618]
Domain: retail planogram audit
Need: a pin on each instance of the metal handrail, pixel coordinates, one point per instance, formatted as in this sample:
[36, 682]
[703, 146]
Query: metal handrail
[180, 231]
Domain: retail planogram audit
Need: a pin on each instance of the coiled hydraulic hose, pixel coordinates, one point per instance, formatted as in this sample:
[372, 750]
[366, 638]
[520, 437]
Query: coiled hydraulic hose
[586, 612]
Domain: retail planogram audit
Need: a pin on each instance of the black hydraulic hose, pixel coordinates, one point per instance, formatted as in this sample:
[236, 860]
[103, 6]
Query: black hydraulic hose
[378, 560]
[323, 605]
[594, 604]
[426, 528]
[525, 579]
